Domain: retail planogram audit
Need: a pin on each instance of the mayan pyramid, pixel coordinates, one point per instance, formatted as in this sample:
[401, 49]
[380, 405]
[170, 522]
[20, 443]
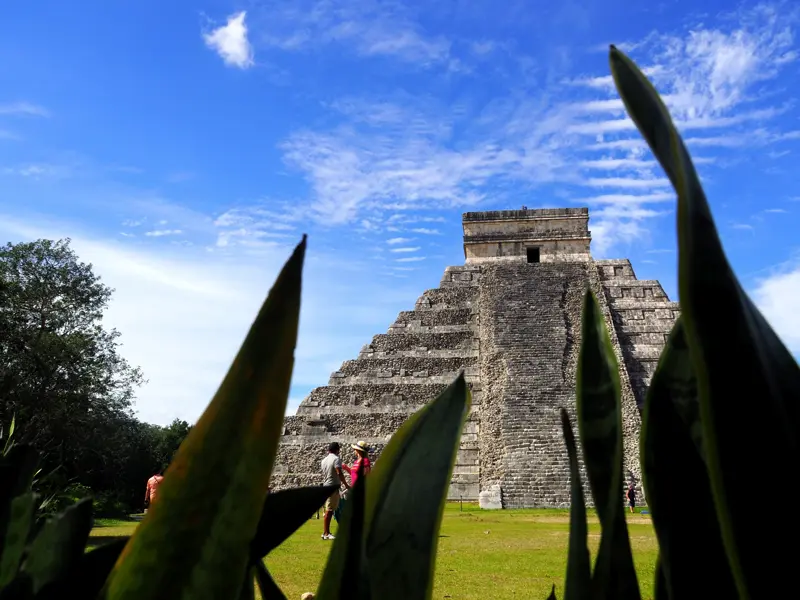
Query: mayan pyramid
[510, 317]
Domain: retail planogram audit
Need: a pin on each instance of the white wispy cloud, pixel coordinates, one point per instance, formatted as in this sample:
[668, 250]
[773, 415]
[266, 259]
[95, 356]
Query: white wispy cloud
[24, 109]
[400, 154]
[163, 232]
[231, 43]
[776, 297]
[409, 249]
[410, 259]
[425, 231]
[398, 240]
[370, 29]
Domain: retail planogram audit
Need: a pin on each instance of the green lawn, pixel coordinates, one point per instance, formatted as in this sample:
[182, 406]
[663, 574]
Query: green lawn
[497, 554]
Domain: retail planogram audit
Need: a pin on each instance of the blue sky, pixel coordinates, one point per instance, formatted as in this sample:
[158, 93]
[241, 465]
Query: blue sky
[185, 147]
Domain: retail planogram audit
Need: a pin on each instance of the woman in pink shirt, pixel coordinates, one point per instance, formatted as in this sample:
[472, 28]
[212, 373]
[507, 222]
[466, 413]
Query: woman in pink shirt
[361, 450]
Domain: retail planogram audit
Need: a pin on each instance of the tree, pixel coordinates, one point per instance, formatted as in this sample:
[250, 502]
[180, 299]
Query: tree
[60, 370]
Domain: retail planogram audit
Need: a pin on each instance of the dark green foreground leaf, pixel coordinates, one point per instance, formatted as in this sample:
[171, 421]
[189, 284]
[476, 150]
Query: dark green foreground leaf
[195, 542]
[692, 558]
[407, 493]
[748, 382]
[59, 546]
[578, 584]
[346, 572]
[600, 428]
[284, 512]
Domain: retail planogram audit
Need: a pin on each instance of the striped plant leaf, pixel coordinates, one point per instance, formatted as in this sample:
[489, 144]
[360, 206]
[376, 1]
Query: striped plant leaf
[578, 584]
[195, 541]
[14, 537]
[600, 428]
[409, 485]
[748, 382]
[346, 572]
[693, 562]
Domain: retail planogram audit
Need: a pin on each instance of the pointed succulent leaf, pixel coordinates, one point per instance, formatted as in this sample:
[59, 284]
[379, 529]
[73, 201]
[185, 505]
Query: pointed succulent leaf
[600, 429]
[747, 379]
[59, 546]
[692, 557]
[247, 591]
[17, 469]
[14, 537]
[195, 541]
[409, 484]
[345, 572]
[284, 512]
[266, 585]
[20, 588]
[578, 584]
[552, 595]
[87, 578]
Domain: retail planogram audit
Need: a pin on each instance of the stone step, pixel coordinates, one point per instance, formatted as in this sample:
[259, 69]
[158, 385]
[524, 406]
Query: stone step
[447, 298]
[384, 368]
[638, 316]
[401, 396]
[661, 326]
[417, 328]
[415, 353]
[642, 339]
[644, 351]
[384, 342]
[429, 318]
[471, 375]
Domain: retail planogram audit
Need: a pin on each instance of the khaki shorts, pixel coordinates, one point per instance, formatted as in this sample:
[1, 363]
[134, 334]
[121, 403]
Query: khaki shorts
[332, 503]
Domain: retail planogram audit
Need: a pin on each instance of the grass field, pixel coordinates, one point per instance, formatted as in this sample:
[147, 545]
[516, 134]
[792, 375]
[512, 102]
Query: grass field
[482, 554]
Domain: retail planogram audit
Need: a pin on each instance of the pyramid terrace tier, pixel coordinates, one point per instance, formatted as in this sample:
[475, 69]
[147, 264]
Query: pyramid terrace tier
[393, 342]
[402, 369]
[446, 298]
[415, 319]
[373, 398]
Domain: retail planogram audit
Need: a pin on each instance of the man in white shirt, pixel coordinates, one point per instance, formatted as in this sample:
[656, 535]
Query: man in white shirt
[332, 474]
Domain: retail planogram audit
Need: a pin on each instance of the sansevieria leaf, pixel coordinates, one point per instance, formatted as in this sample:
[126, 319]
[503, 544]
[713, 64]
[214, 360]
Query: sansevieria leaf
[346, 571]
[406, 494]
[693, 562]
[14, 537]
[195, 541]
[578, 584]
[748, 382]
[600, 428]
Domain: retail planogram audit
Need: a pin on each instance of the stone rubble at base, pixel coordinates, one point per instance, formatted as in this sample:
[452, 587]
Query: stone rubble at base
[510, 317]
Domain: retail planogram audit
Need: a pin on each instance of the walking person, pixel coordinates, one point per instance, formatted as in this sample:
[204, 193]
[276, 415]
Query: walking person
[631, 497]
[361, 449]
[152, 489]
[332, 475]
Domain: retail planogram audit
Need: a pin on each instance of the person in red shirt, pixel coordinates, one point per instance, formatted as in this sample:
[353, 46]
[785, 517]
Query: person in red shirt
[361, 450]
[152, 489]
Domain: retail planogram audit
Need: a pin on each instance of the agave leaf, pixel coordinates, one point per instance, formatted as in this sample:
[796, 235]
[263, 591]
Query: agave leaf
[10, 438]
[660, 591]
[86, 579]
[59, 546]
[345, 572]
[692, 556]
[269, 589]
[747, 379]
[14, 536]
[578, 584]
[408, 486]
[284, 512]
[17, 469]
[20, 588]
[600, 429]
[552, 595]
[195, 541]
[247, 591]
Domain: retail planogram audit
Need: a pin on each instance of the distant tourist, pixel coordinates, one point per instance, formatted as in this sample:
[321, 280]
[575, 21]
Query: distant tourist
[631, 497]
[332, 474]
[361, 450]
[152, 489]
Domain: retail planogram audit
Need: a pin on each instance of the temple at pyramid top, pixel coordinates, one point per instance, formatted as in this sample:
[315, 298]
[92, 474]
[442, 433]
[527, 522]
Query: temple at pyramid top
[527, 235]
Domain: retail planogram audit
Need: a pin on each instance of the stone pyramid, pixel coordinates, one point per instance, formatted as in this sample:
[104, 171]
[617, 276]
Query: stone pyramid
[510, 317]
